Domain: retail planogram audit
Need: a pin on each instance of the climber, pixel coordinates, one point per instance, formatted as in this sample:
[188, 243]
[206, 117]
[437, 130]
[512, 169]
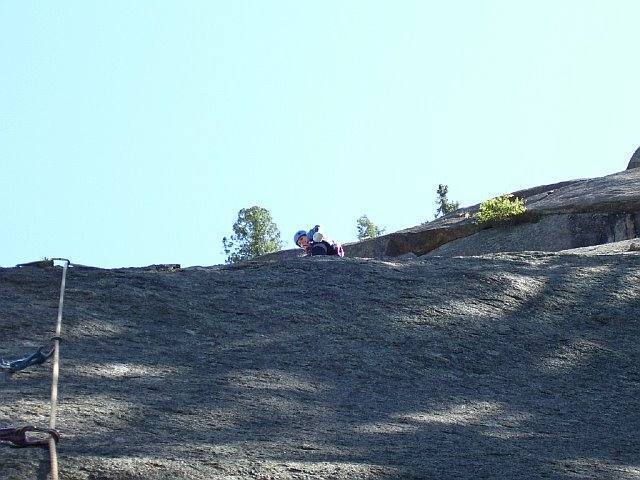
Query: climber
[316, 242]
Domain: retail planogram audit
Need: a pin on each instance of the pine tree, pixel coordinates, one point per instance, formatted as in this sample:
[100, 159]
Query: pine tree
[367, 229]
[254, 234]
[443, 203]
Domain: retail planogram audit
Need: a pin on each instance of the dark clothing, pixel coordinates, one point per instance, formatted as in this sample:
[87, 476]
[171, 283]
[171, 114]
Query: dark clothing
[323, 248]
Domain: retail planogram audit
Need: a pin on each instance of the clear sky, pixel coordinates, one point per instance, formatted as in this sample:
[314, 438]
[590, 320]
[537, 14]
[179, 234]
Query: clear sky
[132, 132]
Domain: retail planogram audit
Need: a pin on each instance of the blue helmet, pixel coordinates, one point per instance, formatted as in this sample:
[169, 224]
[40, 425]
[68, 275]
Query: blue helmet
[297, 236]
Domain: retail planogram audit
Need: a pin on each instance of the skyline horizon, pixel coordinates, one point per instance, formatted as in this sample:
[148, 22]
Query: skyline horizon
[133, 133]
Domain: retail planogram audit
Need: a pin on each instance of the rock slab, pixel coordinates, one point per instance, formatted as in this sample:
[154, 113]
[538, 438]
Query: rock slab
[511, 366]
[635, 160]
[560, 216]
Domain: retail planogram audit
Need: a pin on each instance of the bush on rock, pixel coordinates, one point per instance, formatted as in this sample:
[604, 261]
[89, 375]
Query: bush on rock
[499, 209]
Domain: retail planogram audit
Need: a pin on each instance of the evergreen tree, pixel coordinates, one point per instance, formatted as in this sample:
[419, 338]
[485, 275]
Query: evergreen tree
[367, 229]
[254, 234]
[443, 203]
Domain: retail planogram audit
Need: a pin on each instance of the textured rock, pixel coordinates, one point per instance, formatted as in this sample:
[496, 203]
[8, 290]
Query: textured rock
[624, 247]
[550, 233]
[418, 240]
[424, 238]
[617, 193]
[635, 160]
[510, 366]
[283, 254]
[610, 204]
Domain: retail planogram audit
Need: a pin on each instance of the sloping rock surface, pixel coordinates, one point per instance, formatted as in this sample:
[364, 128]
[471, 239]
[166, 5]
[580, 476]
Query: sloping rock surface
[624, 247]
[502, 366]
[550, 233]
[559, 216]
[617, 193]
[635, 160]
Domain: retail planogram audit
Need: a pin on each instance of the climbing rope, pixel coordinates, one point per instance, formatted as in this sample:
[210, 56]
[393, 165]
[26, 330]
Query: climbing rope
[53, 452]
[18, 435]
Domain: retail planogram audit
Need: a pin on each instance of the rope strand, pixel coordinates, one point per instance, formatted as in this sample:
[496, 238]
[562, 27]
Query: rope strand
[53, 452]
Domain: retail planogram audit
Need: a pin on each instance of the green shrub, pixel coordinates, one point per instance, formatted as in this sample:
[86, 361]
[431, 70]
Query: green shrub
[500, 208]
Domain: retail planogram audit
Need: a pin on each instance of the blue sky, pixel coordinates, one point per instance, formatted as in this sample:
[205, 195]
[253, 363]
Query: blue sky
[131, 133]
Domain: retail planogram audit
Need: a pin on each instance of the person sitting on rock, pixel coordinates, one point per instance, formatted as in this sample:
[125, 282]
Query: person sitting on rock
[316, 242]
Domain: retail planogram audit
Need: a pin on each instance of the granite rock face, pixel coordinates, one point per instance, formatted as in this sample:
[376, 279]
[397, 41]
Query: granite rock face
[560, 216]
[635, 160]
[550, 233]
[510, 366]
[617, 193]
